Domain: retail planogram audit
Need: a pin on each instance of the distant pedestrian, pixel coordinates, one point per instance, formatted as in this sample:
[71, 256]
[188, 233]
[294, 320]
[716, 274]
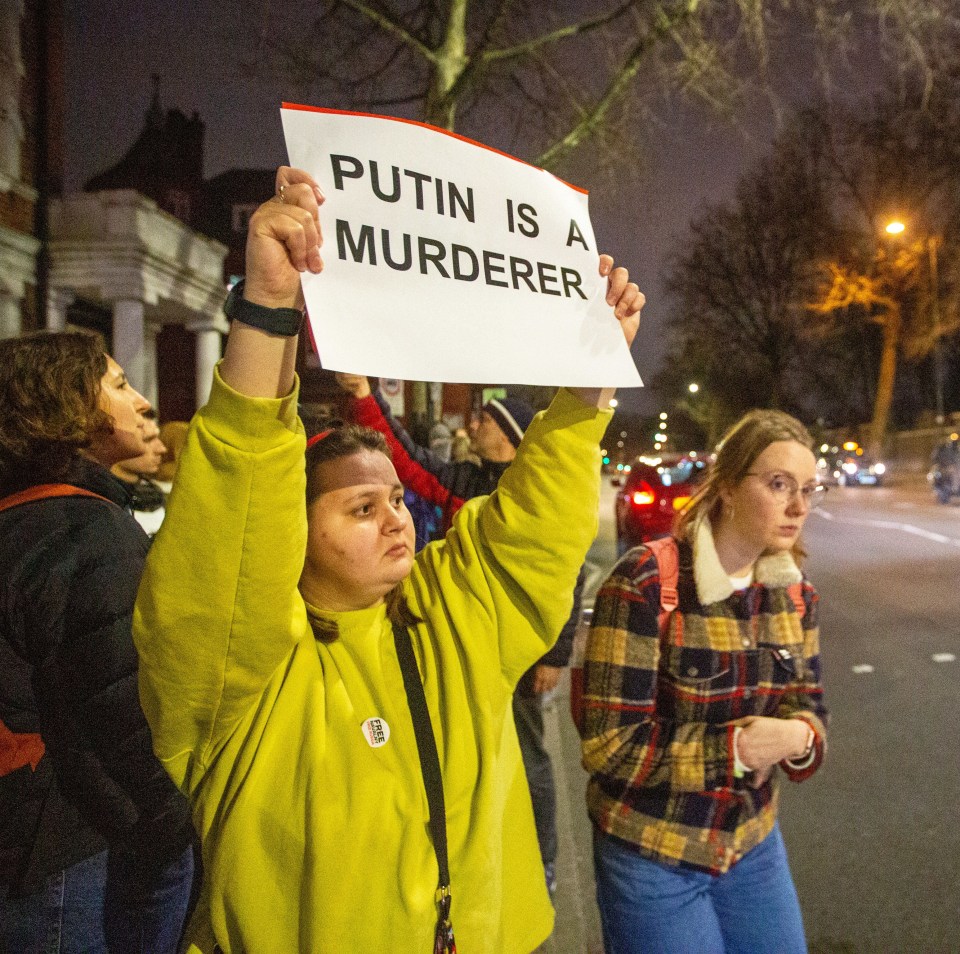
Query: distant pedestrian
[687, 722]
[94, 838]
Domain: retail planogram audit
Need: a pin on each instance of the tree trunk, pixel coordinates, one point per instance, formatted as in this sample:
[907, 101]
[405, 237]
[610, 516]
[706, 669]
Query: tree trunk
[885, 381]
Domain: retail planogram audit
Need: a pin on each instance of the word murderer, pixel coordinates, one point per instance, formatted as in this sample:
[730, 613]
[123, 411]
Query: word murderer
[461, 263]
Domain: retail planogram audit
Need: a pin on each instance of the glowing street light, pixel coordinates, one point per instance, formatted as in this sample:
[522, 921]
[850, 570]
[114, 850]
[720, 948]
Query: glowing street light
[663, 415]
[613, 402]
[896, 227]
[693, 388]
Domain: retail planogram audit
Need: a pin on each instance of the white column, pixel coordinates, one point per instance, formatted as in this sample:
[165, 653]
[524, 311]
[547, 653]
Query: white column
[149, 382]
[130, 341]
[58, 301]
[208, 347]
[10, 315]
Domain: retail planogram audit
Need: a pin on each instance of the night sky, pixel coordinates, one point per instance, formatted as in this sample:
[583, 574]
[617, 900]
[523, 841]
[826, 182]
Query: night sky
[112, 48]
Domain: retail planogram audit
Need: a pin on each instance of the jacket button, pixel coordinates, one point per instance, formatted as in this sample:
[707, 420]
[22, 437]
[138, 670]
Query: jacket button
[747, 693]
[692, 671]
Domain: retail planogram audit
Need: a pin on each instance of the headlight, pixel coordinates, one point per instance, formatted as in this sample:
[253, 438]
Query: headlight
[880, 468]
[849, 467]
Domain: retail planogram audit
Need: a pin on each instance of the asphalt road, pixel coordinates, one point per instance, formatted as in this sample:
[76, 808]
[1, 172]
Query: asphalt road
[874, 837]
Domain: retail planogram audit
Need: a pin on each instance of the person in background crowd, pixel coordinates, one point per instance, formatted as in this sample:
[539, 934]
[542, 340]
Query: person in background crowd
[460, 448]
[495, 436]
[271, 649]
[441, 440]
[146, 497]
[173, 436]
[688, 724]
[94, 838]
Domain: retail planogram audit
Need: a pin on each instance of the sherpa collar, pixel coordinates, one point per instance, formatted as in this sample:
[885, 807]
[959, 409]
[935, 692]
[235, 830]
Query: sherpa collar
[713, 583]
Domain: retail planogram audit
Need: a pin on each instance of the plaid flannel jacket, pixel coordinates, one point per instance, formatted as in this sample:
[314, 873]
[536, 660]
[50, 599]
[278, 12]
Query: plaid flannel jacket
[660, 712]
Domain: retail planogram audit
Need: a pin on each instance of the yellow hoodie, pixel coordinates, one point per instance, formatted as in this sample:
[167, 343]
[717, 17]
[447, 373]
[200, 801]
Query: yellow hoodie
[299, 757]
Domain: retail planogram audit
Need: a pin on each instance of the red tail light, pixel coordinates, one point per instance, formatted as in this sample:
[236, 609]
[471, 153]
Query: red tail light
[643, 496]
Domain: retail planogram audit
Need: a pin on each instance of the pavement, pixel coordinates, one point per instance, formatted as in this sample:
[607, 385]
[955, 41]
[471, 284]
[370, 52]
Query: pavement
[577, 926]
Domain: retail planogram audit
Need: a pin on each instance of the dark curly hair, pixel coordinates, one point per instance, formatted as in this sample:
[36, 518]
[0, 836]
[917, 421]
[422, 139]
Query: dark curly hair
[334, 440]
[49, 405]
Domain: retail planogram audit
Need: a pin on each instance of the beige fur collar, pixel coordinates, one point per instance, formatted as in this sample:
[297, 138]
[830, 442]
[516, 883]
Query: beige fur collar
[713, 583]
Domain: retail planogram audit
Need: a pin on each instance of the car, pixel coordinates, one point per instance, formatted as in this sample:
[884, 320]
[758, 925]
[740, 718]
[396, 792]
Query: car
[849, 466]
[860, 471]
[650, 495]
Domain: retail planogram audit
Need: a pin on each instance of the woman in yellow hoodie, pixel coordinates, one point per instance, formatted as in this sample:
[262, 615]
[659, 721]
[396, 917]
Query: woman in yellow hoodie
[269, 636]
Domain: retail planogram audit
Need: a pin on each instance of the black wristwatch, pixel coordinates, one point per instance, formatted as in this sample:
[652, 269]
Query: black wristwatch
[278, 321]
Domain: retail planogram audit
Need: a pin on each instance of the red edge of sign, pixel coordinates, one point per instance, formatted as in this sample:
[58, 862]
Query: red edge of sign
[415, 122]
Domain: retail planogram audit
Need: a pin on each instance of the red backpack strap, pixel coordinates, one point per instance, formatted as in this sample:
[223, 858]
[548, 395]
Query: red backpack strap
[42, 491]
[795, 591]
[667, 555]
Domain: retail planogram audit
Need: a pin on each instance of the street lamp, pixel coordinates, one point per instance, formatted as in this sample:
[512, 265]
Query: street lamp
[693, 388]
[896, 227]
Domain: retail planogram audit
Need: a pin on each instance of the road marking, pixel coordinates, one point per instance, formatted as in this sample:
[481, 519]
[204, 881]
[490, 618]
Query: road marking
[943, 657]
[891, 525]
[862, 668]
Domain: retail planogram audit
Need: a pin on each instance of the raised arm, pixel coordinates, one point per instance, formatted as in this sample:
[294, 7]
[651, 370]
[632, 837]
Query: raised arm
[530, 537]
[218, 608]
[283, 240]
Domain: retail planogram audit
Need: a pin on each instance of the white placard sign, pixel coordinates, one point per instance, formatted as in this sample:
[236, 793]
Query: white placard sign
[445, 260]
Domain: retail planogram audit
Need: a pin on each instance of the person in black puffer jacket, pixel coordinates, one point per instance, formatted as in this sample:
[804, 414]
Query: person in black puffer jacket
[95, 840]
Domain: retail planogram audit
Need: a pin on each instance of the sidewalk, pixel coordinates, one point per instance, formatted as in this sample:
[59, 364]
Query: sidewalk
[577, 928]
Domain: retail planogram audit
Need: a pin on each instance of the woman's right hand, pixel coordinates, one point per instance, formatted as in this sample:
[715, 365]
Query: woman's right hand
[283, 240]
[764, 741]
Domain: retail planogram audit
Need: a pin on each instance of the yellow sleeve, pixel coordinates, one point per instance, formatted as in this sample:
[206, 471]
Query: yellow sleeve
[218, 608]
[518, 551]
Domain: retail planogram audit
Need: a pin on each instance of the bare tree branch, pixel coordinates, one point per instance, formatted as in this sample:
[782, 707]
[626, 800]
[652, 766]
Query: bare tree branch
[665, 23]
[554, 36]
[391, 26]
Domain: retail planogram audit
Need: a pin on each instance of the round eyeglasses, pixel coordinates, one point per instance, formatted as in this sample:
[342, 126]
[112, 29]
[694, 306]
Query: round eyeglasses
[784, 488]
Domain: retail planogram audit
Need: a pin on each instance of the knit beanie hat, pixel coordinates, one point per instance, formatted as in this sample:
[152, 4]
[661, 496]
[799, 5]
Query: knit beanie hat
[512, 415]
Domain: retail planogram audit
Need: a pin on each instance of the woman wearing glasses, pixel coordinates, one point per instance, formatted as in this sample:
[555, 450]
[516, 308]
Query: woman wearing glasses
[689, 713]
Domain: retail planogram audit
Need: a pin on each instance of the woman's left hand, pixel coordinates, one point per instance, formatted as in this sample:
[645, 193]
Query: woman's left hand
[623, 296]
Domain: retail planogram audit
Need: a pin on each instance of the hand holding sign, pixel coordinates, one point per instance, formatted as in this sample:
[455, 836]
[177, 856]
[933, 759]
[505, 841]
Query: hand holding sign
[284, 241]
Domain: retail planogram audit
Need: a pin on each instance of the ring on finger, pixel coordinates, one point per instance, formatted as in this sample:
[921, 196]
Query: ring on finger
[280, 192]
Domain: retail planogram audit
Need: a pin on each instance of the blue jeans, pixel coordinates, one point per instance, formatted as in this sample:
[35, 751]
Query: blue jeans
[528, 716]
[650, 908]
[101, 905]
[64, 917]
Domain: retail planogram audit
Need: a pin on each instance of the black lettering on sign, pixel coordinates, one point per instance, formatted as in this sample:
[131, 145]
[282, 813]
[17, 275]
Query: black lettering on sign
[491, 268]
[357, 249]
[571, 279]
[432, 251]
[542, 268]
[457, 252]
[575, 235]
[341, 172]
